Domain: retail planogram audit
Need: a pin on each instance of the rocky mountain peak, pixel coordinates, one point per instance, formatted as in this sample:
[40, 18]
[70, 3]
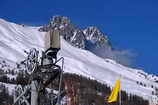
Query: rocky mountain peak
[96, 36]
[90, 38]
[60, 20]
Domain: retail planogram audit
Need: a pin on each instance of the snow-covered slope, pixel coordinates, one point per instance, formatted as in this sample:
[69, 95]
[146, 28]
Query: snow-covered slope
[14, 39]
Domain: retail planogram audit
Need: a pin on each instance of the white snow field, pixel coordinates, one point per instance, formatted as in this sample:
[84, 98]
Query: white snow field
[14, 39]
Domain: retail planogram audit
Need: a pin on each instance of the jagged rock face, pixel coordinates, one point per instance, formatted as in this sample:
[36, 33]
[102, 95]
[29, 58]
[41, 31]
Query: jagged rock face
[78, 38]
[97, 42]
[60, 20]
[69, 32]
[91, 38]
[96, 37]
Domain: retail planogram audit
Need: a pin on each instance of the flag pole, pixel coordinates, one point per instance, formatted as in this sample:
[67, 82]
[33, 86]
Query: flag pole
[120, 97]
[120, 92]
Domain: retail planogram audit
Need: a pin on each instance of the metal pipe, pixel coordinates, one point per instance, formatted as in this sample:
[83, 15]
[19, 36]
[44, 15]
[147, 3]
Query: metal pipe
[34, 92]
[60, 83]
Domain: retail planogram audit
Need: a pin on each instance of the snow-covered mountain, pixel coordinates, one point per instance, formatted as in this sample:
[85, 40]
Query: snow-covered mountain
[14, 39]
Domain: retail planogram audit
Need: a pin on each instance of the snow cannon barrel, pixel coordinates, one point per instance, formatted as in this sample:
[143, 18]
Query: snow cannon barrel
[52, 43]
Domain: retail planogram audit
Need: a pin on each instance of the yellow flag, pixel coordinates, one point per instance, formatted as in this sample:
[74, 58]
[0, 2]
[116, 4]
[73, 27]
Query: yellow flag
[115, 92]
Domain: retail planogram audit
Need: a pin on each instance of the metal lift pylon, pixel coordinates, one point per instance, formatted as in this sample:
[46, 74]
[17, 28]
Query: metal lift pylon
[42, 73]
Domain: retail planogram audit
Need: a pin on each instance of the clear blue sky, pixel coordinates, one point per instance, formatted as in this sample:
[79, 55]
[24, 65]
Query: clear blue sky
[131, 24]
